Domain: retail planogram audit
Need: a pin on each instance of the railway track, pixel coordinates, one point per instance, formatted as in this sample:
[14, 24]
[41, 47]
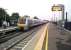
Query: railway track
[11, 43]
[11, 34]
[7, 35]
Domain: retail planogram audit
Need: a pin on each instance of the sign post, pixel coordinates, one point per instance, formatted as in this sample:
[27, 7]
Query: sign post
[58, 11]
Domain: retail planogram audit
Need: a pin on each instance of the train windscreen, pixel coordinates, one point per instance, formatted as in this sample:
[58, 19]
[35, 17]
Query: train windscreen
[22, 21]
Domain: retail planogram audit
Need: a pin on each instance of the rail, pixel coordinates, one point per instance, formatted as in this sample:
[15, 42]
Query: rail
[36, 42]
[14, 41]
[3, 31]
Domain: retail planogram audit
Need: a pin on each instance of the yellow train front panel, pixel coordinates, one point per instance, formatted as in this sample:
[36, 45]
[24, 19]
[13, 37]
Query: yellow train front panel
[21, 26]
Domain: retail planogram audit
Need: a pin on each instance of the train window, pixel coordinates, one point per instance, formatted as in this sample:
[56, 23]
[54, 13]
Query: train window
[22, 21]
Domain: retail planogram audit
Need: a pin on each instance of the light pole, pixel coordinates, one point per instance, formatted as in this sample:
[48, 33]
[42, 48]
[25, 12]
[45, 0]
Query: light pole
[5, 14]
[5, 22]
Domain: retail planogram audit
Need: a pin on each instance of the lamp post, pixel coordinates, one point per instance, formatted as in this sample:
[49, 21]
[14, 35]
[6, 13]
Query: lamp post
[5, 14]
[5, 22]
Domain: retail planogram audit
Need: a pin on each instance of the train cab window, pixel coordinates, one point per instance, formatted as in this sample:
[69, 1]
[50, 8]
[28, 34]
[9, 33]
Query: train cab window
[22, 21]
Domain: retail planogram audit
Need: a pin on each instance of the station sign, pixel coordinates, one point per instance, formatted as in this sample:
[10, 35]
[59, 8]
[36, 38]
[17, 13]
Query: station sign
[56, 8]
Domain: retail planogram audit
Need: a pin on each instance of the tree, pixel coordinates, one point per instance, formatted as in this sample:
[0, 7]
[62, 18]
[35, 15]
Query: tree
[35, 17]
[7, 18]
[15, 16]
[3, 14]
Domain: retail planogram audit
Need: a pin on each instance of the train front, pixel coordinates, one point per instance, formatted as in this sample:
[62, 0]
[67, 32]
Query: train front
[21, 23]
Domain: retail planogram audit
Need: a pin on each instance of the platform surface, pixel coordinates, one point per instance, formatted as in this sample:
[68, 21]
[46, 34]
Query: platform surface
[52, 35]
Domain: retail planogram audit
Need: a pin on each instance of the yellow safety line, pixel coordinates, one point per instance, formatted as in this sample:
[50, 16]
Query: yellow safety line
[40, 42]
[46, 44]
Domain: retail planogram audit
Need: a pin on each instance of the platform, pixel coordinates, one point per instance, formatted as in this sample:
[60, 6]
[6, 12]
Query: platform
[58, 37]
[52, 34]
[48, 37]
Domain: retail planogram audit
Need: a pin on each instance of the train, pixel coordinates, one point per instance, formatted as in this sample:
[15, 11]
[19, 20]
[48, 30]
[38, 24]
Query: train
[24, 23]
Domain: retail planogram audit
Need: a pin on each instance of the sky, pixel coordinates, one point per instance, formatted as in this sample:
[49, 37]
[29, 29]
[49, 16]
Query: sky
[40, 8]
